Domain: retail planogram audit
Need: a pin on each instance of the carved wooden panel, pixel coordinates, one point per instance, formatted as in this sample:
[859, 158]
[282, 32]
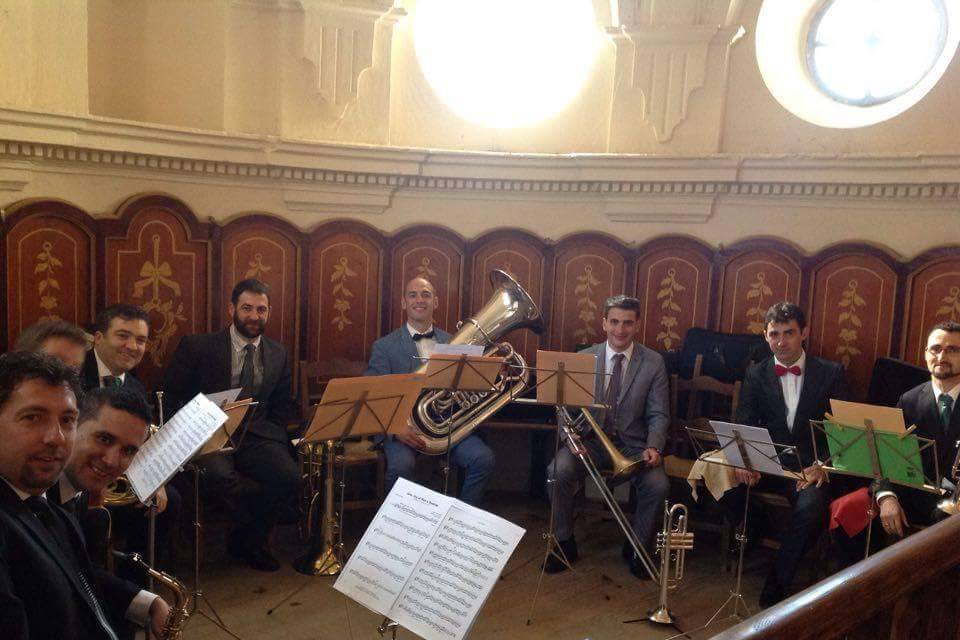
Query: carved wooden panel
[50, 257]
[159, 265]
[752, 281]
[437, 256]
[852, 314]
[673, 285]
[258, 248]
[587, 272]
[523, 259]
[933, 295]
[345, 295]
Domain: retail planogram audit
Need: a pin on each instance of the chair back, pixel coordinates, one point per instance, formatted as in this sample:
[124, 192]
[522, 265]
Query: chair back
[706, 398]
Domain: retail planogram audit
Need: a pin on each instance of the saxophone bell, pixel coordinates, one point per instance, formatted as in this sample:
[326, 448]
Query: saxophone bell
[180, 611]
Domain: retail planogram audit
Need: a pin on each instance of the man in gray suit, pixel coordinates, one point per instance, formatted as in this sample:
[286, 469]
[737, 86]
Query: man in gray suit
[399, 352]
[632, 381]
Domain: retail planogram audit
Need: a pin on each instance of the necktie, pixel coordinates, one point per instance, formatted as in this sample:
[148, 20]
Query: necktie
[246, 371]
[612, 399]
[417, 337]
[48, 519]
[945, 404]
[112, 381]
[782, 370]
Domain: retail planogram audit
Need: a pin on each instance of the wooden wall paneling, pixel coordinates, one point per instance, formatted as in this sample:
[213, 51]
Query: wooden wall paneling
[522, 256]
[932, 296]
[158, 256]
[437, 255]
[50, 249]
[754, 275]
[269, 250]
[588, 269]
[344, 291]
[852, 311]
[673, 280]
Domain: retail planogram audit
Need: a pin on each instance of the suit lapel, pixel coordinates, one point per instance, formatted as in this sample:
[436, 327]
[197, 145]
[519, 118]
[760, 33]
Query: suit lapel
[809, 392]
[600, 352]
[270, 363]
[631, 373]
[224, 359]
[409, 349]
[774, 390]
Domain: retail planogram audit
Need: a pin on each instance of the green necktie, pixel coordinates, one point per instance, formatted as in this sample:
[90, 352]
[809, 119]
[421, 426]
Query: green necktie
[945, 404]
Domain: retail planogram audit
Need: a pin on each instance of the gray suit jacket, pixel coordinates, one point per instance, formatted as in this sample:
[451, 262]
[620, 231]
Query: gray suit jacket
[643, 417]
[396, 352]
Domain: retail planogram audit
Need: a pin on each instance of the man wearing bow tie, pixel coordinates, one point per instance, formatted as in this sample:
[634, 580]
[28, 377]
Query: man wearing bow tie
[119, 343]
[783, 394]
[401, 352]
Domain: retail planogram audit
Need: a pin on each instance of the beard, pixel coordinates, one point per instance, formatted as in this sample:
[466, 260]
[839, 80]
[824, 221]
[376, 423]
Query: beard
[944, 372]
[250, 329]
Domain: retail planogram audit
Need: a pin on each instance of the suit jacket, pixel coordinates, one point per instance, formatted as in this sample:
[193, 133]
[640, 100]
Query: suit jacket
[202, 364]
[762, 403]
[90, 377]
[643, 410]
[41, 596]
[396, 352]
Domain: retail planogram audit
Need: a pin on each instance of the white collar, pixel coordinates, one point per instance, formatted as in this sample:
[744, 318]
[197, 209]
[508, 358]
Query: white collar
[627, 353]
[22, 494]
[67, 491]
[103, 370]
[938, 390]
[414, 332]
[801, 362]
[239, 341]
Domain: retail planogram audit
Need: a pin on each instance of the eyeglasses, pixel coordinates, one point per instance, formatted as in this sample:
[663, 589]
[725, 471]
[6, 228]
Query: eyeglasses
[949, 350]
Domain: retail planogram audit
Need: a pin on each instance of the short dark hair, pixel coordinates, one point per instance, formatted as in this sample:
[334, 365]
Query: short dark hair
[18, 367]
[782, 313]
[120, 398]
[253, 286]
[123, 311]
[33, 337]
[627, 303]
[950, 326]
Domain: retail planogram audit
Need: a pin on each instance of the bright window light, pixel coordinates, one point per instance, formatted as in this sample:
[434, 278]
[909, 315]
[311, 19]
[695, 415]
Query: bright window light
[506, 63]
[867, 52]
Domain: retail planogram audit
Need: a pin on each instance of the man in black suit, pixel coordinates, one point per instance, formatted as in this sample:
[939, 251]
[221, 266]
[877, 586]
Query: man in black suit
[67, 342]
[119, 343]
[261, 479]
[783, 394]
[48, 588]
[932, 407]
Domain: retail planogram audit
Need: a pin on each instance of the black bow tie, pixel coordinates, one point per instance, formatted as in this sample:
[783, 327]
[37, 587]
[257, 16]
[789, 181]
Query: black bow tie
[417, 337]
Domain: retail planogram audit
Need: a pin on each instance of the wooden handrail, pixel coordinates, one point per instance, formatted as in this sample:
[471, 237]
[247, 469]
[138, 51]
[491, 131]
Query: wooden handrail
[909, 590]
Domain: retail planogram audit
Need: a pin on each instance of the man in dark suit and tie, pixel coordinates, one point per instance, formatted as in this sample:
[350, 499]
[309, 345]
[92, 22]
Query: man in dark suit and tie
[632, 381]
[119, 343]
[783, 394]
[399, 352]
[260, 480]
[932, 406]
[48, 588]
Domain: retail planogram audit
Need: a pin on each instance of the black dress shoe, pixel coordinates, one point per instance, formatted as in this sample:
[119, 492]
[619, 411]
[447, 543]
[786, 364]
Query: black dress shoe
[636, 567]
[256, 556]
[555, 563]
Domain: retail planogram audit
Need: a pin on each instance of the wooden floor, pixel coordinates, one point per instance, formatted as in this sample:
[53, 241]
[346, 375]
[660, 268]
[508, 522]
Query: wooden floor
[591, 602]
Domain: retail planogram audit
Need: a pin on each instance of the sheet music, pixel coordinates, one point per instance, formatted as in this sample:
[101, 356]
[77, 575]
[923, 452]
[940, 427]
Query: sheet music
[175, 443]
[763, 455]
[221, 398]
[458, 350]
[428, 561]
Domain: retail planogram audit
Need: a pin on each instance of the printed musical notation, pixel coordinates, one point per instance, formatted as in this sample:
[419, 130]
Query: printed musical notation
[429, 561]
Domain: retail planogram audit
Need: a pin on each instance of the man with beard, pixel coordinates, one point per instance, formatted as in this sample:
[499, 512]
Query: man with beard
[260, 479]
[932, 407]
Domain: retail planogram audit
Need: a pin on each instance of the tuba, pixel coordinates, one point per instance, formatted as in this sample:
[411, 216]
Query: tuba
[440, 413]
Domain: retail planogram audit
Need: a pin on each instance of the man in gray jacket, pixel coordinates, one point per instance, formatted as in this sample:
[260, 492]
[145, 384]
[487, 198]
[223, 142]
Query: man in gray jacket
[632, 381]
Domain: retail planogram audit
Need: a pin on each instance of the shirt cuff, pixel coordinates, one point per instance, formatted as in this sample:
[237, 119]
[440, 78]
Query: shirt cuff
[139, 610]
[883, 494]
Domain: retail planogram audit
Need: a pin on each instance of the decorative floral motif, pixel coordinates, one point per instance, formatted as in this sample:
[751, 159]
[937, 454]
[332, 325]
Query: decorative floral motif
[48, 284]
[257, 267]
[759, 290]
[668, 322]
[155, 274]
[951, 306]
[587, 307]
[341, 272]
[424, 270]
[849, 323]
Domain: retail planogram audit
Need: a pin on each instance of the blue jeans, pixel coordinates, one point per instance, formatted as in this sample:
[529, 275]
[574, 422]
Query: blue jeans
[472, 455]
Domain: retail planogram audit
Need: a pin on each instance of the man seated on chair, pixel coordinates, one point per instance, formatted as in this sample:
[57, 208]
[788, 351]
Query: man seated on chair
[632, 381]
[259, 481]
[932, 407]
[783, 394]
[400, 352]
[66, 342]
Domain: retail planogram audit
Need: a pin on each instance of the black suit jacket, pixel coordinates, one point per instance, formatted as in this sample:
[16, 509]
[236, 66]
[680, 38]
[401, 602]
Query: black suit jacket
[90, 377]
[762, 403]
[201, 364]
[41, 596]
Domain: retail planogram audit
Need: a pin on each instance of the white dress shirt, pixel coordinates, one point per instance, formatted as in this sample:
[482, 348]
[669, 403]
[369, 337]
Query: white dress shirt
[791, 386]
[103, 370]
[937, 388]
[608, 366]
[238, 344]
[425, 346]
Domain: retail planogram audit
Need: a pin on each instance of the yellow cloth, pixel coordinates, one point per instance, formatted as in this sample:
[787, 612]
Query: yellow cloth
[711, 468]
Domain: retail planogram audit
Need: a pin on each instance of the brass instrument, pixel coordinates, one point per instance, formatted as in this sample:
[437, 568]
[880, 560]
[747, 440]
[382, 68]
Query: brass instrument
[951, 505]
[180, 611]
[673, 540]
[119, 493]
[445, 418]
[325, 555]
[622, 466]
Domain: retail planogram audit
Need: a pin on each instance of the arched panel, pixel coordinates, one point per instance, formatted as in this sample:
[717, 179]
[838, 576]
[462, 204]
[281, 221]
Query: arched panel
[437, 256]
[852, 314]
[933, 295]
[753, 280]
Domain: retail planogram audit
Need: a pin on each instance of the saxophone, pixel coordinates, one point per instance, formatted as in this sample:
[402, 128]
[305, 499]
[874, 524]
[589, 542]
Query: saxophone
[180, 611]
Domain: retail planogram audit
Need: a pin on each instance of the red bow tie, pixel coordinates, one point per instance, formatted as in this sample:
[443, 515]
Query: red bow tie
[782, 370]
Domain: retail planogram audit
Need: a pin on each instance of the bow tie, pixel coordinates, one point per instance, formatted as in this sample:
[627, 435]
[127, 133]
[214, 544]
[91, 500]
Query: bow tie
[417, 337]
[112, 381]
[782, 370]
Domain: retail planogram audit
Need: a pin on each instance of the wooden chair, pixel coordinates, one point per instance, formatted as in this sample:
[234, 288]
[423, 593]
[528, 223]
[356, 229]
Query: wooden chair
[706, 397]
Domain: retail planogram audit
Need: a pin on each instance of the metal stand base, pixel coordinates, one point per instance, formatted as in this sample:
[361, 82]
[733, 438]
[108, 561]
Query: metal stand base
[388, 626]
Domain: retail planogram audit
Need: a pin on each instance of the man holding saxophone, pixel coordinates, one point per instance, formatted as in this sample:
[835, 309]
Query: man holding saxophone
[632, 382]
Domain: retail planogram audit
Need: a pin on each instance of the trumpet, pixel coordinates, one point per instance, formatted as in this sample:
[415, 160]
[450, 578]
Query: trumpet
[951, 505]
[674, 540]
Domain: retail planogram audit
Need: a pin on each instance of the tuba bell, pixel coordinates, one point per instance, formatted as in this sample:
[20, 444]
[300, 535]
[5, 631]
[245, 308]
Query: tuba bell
[438, 412]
